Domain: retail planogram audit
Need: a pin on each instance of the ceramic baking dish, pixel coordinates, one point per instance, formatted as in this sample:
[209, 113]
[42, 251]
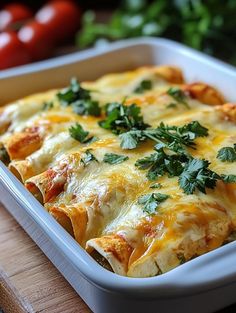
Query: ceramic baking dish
[204, 284]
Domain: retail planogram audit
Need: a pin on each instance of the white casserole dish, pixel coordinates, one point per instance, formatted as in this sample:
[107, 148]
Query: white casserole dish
[204, 284]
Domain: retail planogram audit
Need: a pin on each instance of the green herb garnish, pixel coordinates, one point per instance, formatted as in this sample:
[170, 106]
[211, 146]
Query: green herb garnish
[143, 86]
[156, 186]
[121, 118]
[86, 107]
[79, 98]
[130, 139]
[113, 158]
[197, 175]
[178, 95]
[47, 105]
[227, 154]
[74, 92]
[175, 138]
[151, 201]
[171, 105]
[228, 178]
[89, 157]
[160, 163]
[78, 133]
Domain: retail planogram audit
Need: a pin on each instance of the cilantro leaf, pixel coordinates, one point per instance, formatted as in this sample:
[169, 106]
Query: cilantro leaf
[151, 201]
[178, 95]
[171, 105]
[73, 93]
[156, 186]
[79, 98]
[47, 105]
[89, 157]
[160, 163]
[130, 139]
[176, 137]
[143, 86]
[227, 154]
[78, 133]
[86, 107]
[228, 178]
[197, 175]
[121, 118]
[113, 158]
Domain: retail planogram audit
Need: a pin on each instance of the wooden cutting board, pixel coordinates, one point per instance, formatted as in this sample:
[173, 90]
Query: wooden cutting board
[28, 280]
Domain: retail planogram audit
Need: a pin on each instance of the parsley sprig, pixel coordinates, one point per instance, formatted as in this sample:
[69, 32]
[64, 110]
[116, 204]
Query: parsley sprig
[178, 95]
[47, 105]
[88, 157]
[121, 118]
[228, 178]
[197, 175]
[143, 86]
[79, 98]
[227, 154]
[175, 138]
[160, 163]
[151, 201]
[113, 158]
[78, 133]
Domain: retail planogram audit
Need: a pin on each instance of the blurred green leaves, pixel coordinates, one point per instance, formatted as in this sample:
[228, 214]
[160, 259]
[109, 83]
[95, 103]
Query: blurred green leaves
[209, 26]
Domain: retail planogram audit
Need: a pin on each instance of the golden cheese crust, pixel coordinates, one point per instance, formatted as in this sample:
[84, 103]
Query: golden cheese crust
[98, 202]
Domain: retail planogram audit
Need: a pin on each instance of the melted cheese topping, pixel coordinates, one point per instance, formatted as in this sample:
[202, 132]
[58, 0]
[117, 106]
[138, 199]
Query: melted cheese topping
[98, 203]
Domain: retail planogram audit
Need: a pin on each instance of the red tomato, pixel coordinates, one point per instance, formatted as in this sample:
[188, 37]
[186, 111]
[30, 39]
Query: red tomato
[61, 17]
[12, 51]
[12, 13]
[37, 39]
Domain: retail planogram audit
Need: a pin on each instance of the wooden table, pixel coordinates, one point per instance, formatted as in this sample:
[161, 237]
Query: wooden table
[28, 281]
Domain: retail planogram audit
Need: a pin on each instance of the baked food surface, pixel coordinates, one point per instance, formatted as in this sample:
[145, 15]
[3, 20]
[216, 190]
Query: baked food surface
[139, 167]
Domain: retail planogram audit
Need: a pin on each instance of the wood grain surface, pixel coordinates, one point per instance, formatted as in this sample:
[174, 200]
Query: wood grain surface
[28, 280]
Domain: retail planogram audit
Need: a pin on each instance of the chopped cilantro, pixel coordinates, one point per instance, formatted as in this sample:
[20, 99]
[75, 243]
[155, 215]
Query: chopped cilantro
[160, 163]
[178, 95]
[175, 138]
[78, 133]
[47, 105]
[91, 139]
[151, 201]
[143, 86]
[227, 154]
[73, 93]
[86, 107]
[156, 186]
[113, 158]
[130, 139]
[79, 98]
[121, 118]
[171, 105]
[89, 157]
[197, 175]
[228, 178]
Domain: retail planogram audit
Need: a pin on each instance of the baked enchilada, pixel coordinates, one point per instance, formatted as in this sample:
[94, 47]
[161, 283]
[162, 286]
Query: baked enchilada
[139, 167]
